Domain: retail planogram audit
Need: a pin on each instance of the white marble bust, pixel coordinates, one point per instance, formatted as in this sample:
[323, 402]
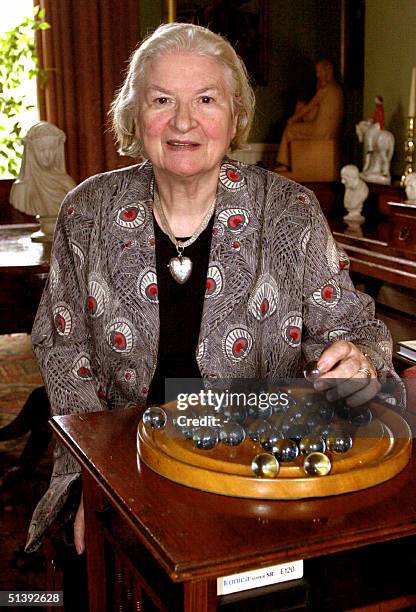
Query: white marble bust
[43, 182]
[356, 192]
[410, 185]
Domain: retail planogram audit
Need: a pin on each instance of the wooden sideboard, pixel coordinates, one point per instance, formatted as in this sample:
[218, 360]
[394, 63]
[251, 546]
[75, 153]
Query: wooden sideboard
[153, 544]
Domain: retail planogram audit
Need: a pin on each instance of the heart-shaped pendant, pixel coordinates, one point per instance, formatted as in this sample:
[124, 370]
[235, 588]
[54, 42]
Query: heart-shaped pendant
[180, 268]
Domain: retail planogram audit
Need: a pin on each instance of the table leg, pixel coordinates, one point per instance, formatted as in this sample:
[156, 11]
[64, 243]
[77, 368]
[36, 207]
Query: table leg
[200, 596]
[94, 539]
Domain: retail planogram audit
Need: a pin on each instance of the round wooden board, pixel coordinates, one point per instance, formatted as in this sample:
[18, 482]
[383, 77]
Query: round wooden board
[380, 451]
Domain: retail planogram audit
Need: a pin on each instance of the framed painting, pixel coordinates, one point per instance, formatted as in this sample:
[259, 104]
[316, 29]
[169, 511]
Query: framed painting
[244, 23]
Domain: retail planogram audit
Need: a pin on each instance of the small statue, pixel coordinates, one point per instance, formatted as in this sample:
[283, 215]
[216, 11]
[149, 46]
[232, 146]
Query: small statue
[378, 151]
[43, 182]
[356, 192]
[410, 185]
[320, 118]
[378, 115]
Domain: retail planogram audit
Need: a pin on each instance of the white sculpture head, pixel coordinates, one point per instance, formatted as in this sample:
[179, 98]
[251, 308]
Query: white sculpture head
[356, 191]
[350, 176]
[410, 185]
[43, 181]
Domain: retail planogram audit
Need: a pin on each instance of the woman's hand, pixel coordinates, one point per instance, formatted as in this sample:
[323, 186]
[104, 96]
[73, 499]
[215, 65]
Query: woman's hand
[347, 373]
[79, 528]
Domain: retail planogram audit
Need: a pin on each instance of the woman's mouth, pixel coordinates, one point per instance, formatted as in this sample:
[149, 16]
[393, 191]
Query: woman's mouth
[181, 145]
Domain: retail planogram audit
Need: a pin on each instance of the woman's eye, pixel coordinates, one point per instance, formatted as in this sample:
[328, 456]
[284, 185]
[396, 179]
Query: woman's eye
[161, 100]
[206, 99]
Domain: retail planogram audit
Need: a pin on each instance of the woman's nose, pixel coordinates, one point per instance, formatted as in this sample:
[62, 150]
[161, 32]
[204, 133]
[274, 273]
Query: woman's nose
[183, 118]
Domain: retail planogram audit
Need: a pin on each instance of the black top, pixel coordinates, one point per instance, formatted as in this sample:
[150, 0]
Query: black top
[180, 311]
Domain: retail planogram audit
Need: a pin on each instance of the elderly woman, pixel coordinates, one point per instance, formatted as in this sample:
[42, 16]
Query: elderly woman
[189, 264]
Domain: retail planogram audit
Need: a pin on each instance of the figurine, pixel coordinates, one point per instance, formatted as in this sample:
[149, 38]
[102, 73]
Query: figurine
[410, 185]
[356, 192]
[43, 182]
[378, 151]
[378, 115]
[318, 119]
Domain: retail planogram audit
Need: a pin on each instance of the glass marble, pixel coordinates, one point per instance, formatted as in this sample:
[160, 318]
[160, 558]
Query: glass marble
[361, 416]
[154, 417]
[235, 413]
[325, 410]
[256, 428]
[286, 450]
[312, 444]
[311, 371]
[265, 465]
[317, 464]
[341, 410]
[257, 412]
[276, 421]
[297, 431]
[232, 434]
[340, 442]
[205, 438]
[269, 439]
[296, 414]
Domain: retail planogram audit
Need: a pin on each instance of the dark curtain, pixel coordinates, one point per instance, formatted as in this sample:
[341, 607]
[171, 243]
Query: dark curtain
[85, 54]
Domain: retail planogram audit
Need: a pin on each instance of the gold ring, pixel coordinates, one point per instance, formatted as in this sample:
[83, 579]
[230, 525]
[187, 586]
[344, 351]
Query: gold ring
[366, 371]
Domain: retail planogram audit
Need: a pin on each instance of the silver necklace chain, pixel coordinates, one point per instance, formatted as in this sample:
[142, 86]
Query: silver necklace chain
[180, 244]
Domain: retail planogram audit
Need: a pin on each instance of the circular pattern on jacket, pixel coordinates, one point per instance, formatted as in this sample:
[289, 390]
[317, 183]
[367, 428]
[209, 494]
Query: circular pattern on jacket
[238, 343]
[234, 219]
[263, 302]
[147, 285]
[62, 319]
[328, 295]
[97, 296]
[119, 337]
[231, 177]
[344, 262]
[81, 368]
[131, 216]
[292, 329]
[214, 282]
[128, 376]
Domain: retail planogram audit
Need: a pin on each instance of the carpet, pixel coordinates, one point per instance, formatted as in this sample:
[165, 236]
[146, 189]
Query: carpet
[19, 376]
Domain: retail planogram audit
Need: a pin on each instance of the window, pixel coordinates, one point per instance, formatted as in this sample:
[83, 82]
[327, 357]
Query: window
[15, 120]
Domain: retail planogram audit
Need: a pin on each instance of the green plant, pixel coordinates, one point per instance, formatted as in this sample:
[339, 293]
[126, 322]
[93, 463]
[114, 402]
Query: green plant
[18, 63]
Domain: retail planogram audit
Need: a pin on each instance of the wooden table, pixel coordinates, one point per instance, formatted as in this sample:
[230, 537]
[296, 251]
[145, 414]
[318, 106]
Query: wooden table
[151, 539]
[24, 266]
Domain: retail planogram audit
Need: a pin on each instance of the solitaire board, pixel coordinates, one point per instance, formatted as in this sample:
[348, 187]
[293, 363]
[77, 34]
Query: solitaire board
[381, 449]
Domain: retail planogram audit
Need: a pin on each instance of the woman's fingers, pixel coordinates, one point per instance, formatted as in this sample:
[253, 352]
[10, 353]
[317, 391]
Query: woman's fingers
[79, 529]
[346, 374]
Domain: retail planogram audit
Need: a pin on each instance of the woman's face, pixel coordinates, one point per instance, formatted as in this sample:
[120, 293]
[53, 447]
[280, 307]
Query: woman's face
[185, 118]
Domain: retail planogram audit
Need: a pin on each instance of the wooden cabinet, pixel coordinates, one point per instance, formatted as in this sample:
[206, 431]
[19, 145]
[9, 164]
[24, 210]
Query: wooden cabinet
[403, 227]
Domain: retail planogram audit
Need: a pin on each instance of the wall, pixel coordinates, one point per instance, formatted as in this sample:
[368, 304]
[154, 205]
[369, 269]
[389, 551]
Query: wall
[390, 53]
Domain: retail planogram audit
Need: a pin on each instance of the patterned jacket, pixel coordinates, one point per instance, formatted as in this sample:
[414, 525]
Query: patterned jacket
[278, 291]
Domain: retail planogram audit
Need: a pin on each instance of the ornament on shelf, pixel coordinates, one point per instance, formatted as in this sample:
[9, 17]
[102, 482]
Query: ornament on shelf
[378, 149]
[43, 181]
[356, 192]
